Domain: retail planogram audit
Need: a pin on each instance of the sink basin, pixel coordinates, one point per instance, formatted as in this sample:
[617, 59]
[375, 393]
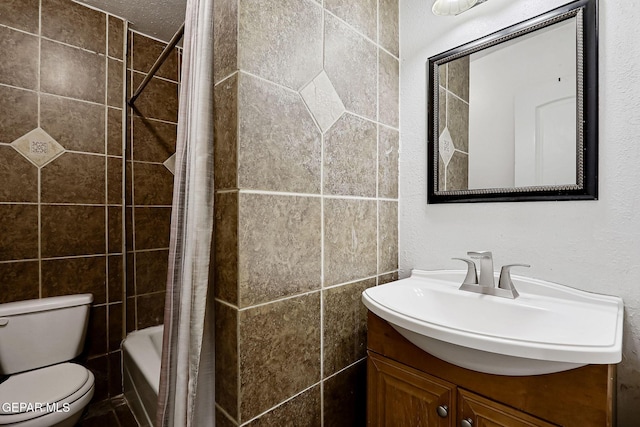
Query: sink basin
[548, 328]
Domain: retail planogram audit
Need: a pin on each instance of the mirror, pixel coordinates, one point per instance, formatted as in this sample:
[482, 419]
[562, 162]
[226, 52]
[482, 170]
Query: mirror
[513, 116]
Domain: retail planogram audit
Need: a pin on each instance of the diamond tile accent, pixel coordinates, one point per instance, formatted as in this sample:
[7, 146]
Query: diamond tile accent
[38, 147]
[445, 146]
[323, 101]
[170, 164]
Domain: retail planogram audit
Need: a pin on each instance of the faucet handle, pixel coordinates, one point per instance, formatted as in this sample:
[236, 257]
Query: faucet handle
[505, 278]
[472, 274]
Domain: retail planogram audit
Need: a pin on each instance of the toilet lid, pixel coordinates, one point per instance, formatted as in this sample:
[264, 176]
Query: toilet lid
[46, 385]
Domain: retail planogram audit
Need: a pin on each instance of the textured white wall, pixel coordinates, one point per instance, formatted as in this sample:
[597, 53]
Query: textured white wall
[591, 245]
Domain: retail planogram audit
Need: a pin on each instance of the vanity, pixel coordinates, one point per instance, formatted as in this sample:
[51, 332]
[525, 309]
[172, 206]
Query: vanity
[409, 387]
[440, 355]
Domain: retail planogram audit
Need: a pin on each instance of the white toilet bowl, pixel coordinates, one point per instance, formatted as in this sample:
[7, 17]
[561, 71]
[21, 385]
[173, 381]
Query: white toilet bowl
[45, 397]
[37, 338]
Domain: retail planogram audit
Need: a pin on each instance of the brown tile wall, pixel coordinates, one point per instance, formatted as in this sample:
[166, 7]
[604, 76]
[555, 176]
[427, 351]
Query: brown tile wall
[61, 230]
[306, 172]
[152, 126]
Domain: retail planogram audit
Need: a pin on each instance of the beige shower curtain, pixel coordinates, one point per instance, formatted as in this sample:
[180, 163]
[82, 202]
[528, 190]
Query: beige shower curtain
[186, 396]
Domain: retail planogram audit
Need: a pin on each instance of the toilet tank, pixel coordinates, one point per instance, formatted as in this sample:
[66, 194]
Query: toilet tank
[42, 332]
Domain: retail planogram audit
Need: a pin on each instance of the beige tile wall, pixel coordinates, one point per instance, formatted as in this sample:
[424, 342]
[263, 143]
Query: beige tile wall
[306, 164]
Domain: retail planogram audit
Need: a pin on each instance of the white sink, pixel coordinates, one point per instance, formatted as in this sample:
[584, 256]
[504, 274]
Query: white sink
[548, 328]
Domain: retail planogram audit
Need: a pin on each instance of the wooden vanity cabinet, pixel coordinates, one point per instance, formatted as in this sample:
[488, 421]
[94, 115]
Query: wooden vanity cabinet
[403, 396]
[409, 387]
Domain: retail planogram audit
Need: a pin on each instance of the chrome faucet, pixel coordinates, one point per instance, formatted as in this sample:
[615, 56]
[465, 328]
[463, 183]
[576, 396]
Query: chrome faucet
[486, 267]
[486, 285]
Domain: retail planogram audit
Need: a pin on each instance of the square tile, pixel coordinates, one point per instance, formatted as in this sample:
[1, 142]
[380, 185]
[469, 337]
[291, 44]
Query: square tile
[279, 145]
[19, 177]
[351, 63]
[67, 178]
[389, 89]
[350, 157]
[388, 25]
[345, 397]
[69, 230]
[74, 24]
[67, 276]
[345, 325]
[20, 281]
[225, 116]
[226, 358]
[361, 14]
[116, 36]
[323, 101]
[145, 52]
[151, 271]
[280, 41]
[226, 247]
[388, 157]
[19, 231]
[159, 100]
[153, 141]
[350, 240]
[20, 113]
[76, 125]
[152, 227]
[153, 184]
[303, 410]
[279, 352]
[114, 132]
[225, 46]
[19, 53]
[388, 236]
[115, 229]
[150, 310]
[72, 72]
[21, 14]
[38, 147]
[279, 247]
[96, 339]
[115, 94]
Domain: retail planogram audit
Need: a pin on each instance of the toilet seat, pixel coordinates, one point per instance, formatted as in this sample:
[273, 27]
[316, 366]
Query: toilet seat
[60, 386]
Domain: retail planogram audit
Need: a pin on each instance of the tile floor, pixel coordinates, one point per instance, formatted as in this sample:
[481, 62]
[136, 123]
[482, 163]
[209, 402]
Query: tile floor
[110, 413]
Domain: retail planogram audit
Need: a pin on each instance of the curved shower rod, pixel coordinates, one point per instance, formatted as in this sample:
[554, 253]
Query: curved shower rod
[163, 56]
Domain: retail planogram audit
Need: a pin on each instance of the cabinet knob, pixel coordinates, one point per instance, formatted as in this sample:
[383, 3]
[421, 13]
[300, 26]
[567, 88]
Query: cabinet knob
[467, 422]
[443, 411]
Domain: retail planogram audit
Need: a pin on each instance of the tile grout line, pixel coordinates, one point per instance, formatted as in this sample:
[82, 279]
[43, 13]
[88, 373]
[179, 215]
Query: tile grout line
[322, 227]
[237, 216]
[378, 140]
[38, 88]
[106, 200]
[123, 183]
[132, 267]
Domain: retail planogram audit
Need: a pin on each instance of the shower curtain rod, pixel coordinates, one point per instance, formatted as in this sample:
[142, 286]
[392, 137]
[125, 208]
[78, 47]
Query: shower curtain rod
[163, 56]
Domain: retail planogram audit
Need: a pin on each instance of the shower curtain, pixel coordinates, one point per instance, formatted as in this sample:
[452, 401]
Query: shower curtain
[186, 396]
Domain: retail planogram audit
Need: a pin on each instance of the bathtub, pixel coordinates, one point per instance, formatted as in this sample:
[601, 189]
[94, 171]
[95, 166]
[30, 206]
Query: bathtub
[141, 353]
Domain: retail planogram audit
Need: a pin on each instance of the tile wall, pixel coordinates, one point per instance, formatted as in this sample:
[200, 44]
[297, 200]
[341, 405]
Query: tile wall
[152, 126]
[306, 172]
[61, 165]
[453, 112]
[61, 162]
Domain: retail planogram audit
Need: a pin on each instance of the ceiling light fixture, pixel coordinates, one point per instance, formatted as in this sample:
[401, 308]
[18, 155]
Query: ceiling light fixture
[453, 7]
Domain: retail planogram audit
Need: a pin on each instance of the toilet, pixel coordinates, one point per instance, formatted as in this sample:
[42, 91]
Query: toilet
[39, 387]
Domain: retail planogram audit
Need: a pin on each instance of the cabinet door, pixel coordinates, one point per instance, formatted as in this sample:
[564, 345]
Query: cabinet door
[486, 413]
[400, 396]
